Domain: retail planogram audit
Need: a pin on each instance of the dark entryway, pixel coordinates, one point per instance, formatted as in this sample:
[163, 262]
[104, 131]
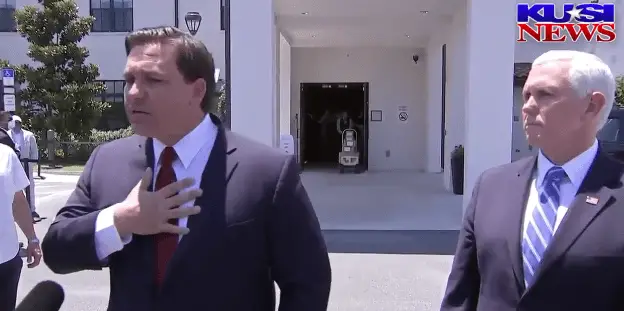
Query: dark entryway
[326, 109]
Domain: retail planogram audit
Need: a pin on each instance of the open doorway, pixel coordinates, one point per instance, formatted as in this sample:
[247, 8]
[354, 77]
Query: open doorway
[326, 110]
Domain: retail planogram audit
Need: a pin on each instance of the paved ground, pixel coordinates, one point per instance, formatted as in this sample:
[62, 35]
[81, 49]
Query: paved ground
[372, 270]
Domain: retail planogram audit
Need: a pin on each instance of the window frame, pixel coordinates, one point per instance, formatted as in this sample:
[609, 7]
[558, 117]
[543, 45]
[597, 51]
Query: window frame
[222, 14]
[111, 11]
[113, 97]
[8, 6]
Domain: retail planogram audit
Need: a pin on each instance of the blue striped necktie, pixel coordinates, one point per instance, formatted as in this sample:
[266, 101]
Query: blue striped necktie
[540, 229]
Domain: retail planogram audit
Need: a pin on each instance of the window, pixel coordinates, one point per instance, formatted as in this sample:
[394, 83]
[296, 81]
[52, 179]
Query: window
[115, 117]
[222, 14]
[7, 13]
[112, 15]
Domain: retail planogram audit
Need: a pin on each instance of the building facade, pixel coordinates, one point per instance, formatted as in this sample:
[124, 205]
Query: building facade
[463, 90]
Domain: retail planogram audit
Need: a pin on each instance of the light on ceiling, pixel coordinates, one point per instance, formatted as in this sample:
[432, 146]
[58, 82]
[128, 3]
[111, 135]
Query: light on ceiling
[407, 36]
[424, 12]
[305, 13]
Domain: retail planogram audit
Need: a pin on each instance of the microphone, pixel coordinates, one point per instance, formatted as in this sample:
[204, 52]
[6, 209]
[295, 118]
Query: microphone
[45, 296]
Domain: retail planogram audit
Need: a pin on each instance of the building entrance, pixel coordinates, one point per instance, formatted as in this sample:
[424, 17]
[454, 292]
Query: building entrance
[326, 110]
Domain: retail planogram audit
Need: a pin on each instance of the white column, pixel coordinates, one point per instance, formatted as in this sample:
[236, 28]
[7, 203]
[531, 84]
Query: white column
[284, 94]
[434, 106]
[253, 67]
[489, 101]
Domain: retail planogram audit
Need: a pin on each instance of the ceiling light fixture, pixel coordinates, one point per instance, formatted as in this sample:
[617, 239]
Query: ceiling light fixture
[424, 12]
[305, 13]
[407, 36]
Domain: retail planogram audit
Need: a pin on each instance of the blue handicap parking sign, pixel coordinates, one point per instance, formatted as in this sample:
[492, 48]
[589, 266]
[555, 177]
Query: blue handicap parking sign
[8, 72]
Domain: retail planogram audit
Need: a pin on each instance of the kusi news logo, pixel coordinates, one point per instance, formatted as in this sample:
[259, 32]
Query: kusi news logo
[588, 21]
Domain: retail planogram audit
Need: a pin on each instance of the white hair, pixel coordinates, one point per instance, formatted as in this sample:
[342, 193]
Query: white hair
[588, 74]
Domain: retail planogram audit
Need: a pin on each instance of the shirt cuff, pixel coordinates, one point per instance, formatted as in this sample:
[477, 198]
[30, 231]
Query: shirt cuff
[107, 239]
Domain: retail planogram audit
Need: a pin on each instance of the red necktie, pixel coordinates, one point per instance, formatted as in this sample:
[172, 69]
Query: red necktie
[166, 243]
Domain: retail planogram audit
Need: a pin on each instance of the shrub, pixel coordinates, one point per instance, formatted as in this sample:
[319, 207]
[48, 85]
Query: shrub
[99, 137]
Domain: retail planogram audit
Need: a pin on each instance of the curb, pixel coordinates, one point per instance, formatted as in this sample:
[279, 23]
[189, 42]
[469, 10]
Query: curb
[46, 172]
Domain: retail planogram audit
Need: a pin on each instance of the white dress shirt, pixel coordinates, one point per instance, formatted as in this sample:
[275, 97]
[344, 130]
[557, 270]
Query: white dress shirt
[18, 138]
[576, 169]
[12, 179]
[193, 151]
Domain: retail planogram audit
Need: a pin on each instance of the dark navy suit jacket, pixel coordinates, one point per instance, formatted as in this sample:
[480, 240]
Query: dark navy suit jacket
[256, 226]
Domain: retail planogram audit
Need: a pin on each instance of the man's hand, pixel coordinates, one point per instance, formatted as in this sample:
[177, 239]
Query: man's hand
[33, 251]
[145, 212]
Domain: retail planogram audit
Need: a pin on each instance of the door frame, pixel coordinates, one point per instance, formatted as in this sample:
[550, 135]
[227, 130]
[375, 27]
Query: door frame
[300, 117]
[443, 99]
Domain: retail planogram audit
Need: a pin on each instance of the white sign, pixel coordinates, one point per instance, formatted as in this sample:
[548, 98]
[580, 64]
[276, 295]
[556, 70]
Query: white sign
[216, 74]
[8, 77]
[287, 143]
[9, 102]
[403, 114]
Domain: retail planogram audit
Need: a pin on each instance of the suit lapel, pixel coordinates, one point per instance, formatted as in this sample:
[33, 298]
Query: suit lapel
[517, 201]
[594, 195]
[210, 223]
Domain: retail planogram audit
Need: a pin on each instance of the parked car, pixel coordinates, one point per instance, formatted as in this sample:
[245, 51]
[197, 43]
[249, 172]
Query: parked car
[611, 136]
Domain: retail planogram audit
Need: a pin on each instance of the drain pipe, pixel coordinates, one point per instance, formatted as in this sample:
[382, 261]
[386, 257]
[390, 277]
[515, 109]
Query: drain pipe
[176, 12]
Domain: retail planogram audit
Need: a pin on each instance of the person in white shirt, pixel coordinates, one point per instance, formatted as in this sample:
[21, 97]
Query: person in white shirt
[26, 144]
[13, 209]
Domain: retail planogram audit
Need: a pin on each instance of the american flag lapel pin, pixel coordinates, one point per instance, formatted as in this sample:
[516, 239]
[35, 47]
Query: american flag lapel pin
[591, 200]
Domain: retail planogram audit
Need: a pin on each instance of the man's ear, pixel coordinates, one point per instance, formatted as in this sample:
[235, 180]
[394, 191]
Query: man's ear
[597, 101]
[199, 89]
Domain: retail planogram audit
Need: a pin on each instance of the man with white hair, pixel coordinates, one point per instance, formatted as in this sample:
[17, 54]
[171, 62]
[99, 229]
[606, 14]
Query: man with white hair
[26, 144]
[546, 232]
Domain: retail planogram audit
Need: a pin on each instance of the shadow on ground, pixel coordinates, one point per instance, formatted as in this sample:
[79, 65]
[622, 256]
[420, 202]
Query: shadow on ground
[421, 242]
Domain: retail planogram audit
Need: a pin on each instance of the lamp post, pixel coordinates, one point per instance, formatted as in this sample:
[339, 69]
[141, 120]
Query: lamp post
[193, 21]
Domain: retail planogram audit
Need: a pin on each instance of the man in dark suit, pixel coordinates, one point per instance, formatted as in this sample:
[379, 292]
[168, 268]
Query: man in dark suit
[545, 232]
[241, 217]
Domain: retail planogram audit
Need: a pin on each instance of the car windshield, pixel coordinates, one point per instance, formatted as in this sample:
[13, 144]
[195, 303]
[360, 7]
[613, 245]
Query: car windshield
[610, 132]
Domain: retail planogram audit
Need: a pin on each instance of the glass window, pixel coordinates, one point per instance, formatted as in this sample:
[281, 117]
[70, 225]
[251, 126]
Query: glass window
[112, 15]
[10, 4]
[114, 117]
[7, 16]
[610, 132]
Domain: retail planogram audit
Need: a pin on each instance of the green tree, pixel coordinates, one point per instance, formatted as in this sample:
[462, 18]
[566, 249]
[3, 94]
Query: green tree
[619, 91]
[61, 87]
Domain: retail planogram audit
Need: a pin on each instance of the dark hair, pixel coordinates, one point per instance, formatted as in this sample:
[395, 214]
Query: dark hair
[194, 61]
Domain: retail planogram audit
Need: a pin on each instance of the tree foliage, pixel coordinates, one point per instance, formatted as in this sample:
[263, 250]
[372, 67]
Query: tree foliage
[619, 91]
[61, 86]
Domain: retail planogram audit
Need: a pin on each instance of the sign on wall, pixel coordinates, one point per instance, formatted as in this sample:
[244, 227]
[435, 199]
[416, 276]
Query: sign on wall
[287, 143]
[403, 114]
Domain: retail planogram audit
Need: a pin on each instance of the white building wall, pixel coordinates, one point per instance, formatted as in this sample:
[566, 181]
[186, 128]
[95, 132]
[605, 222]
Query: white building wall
[394, 80]
[284, 86]
[255, 50]
[455, 90]
[433, 62]
[107, 49]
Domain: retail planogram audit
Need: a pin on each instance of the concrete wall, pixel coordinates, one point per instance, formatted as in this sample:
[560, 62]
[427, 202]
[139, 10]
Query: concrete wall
[394, 80]
[107, 49]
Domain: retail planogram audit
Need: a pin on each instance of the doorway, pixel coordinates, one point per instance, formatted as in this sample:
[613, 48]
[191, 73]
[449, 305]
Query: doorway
[326, 109]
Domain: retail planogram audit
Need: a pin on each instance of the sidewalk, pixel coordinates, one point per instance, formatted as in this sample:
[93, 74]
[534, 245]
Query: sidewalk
[73, 170]
[57, 177]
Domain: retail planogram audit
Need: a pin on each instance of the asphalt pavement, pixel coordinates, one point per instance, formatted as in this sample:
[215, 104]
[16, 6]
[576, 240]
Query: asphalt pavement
[372, 270]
